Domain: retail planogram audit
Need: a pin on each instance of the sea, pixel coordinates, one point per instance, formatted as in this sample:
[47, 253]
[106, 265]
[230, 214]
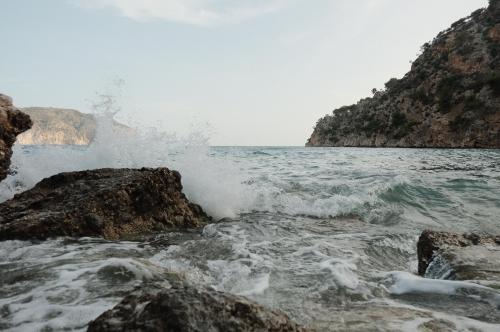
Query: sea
[326, 235]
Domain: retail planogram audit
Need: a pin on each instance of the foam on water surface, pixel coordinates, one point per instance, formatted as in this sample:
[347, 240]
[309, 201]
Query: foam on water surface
[404, 282]
[326, 235]
[62, 284]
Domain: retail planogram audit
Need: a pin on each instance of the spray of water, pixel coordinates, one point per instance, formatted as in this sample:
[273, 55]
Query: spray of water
[214, 183]
[225, 185]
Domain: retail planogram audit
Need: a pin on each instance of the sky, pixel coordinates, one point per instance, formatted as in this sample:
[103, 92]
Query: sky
[249, 72]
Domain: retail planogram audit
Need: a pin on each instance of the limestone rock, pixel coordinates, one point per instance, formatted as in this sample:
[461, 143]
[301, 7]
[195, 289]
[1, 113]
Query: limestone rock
[12, 123]
[449, 98]
[108, 203]
[187, 309]
[59, 126]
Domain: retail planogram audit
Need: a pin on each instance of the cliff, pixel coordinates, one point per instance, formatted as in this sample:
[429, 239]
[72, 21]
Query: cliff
[449, 98]
[12, 123]
[60, 126]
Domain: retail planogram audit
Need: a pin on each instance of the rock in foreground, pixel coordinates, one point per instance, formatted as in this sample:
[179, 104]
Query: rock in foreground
[186, 309]
[108, 203]
[12, 123]
[456, 256]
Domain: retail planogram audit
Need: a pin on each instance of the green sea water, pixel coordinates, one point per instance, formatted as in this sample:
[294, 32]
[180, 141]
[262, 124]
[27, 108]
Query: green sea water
[327, 235]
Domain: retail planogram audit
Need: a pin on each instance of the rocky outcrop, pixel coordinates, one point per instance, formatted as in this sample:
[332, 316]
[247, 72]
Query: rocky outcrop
[450, 97]
[187, 309]
[108, 203]
[59, 126]
[458, 256]
[12, 123]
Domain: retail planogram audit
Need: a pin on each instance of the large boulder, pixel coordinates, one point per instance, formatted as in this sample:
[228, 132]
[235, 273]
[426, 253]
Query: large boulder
[447, 255]
[450, 98]
[109, 203]
[187, 309]
[12, 123]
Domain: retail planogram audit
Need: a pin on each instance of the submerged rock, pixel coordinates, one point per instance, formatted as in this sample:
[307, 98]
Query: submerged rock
[108, 203]
[459, 256]
[187, 309]
[12, 123]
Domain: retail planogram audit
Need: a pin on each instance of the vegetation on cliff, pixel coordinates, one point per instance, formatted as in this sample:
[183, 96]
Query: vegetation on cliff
[449, 98]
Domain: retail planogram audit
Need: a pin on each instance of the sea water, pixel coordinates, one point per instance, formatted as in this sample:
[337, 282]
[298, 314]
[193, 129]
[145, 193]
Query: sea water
[327, 235]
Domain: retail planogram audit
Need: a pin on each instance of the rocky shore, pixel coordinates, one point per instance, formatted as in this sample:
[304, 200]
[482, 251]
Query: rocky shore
[12, 123]
[445, 255]
[109, 203]
[449, 99]
[118, 204]
[138, 204]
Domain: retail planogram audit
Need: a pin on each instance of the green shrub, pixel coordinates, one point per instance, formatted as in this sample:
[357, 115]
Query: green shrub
[465, 49]
[425, 47]
[472, 103]
[372, 125]
[446, 87]
[391, 84]
[398, 120]
[494, 49]
[401, 125]
[463, 43]
[421, 96]
[474, 109]
[494, 82]
[444, 57]
[457, 23]
[461, 122]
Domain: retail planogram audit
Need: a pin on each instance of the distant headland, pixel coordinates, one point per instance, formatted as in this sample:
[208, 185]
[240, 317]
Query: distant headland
[60, 126]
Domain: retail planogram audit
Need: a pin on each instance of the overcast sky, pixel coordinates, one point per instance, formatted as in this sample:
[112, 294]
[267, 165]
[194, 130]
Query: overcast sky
[259, 72]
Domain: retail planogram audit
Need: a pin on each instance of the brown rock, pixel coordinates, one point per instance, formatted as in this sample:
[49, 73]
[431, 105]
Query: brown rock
[108, 203]
[187, 309]
[12, 123]
[494, 32]
[450, 247]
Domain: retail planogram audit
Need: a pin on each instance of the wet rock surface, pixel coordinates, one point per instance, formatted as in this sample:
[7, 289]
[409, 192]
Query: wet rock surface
[446, 255]
[12, 123]
[109, 203]
[187, 309]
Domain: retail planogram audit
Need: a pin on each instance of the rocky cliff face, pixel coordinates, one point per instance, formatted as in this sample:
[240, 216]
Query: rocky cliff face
[59, 126]
[450, 97]
[12, 123]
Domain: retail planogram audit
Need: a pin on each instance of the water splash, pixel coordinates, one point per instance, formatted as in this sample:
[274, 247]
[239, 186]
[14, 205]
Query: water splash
[214, 183]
